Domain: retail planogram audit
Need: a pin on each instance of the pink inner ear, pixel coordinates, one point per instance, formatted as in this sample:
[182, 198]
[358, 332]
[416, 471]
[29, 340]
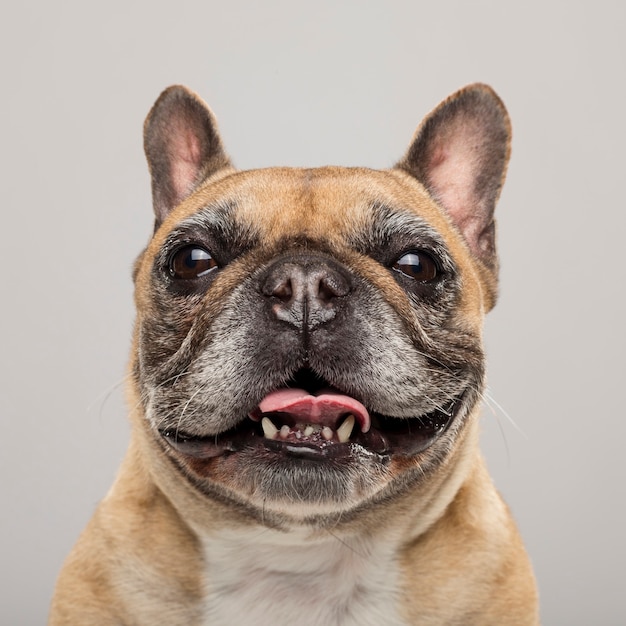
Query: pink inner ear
[185, 160]
[452, 170]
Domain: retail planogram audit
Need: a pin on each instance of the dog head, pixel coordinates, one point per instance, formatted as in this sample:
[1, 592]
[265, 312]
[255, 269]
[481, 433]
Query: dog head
[308, 341]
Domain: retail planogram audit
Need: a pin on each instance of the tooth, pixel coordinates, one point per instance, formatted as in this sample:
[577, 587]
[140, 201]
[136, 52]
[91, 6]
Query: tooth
[344, 431]
[327, 433]
[284, 431]
[308, 431]
[269, 430]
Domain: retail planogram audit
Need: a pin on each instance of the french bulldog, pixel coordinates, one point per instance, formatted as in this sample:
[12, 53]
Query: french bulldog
[305, 386]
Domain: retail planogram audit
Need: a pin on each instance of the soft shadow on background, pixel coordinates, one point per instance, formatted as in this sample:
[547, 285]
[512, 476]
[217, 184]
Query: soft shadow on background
[308, 84]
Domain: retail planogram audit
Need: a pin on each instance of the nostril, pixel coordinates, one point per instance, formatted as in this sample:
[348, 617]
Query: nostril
[332, 285]
[283, 290]
[281, 284]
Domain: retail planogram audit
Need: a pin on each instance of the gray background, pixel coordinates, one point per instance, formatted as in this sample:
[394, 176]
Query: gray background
[296, 83]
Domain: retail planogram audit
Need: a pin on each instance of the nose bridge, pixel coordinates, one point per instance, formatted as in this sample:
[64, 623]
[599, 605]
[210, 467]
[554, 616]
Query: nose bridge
[305, 291]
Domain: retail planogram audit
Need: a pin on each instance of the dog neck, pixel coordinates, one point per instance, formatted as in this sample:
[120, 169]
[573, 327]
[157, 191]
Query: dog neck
[300, 578]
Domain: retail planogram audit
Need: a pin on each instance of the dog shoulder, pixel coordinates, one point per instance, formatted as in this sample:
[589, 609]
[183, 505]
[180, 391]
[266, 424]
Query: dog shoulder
[475, 555]
[134, 563]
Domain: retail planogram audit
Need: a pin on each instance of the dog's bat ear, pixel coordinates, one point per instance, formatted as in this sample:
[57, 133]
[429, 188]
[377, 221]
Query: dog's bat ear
[182, 146]
[460, 154]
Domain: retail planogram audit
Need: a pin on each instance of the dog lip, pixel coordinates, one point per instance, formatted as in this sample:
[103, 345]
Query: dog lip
[388, 436]
[197, 446]
[324, 452]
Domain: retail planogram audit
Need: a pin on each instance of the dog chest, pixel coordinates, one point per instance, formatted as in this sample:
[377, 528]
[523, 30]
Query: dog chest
[267, 578]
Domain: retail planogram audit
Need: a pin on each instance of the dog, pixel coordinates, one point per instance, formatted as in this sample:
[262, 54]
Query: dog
[306, 380]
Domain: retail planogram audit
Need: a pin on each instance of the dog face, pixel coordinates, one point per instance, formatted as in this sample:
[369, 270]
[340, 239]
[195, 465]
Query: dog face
[308, 341]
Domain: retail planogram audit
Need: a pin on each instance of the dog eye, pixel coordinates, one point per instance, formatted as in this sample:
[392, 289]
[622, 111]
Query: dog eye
[417, 265]
[191, 262]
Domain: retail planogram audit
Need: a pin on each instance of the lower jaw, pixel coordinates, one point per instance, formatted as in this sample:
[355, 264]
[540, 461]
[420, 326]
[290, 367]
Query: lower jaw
[309, 483]
[281, 489]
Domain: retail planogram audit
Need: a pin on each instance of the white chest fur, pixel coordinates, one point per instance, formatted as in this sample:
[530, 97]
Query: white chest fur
[266, 578]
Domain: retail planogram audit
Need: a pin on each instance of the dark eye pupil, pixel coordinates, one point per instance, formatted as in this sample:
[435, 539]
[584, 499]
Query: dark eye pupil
[191, 262]
[417, 265]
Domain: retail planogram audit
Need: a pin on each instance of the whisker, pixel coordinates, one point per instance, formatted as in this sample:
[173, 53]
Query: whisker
[144, 396]
[488, 404]
[102, 398]
[199, 390]
[490, 400]
[344, 542]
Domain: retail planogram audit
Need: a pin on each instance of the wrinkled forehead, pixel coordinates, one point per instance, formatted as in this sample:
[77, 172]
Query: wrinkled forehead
[341, 211]
[325, 204]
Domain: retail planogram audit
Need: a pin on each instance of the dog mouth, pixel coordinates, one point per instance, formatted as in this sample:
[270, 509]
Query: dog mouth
[311, 419]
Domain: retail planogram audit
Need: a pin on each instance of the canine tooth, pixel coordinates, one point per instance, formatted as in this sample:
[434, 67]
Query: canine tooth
[269, 430]
[308, 431]
[284, 431]
[345, 430]
[327, 433]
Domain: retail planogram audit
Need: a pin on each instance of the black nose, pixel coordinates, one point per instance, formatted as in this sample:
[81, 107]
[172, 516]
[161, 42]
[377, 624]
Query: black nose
[307, 290]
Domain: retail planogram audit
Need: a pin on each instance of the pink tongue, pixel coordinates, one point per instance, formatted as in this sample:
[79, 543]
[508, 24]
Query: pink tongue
[325, 408]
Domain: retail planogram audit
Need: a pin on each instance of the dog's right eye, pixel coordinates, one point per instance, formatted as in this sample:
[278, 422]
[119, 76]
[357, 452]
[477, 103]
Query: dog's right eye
[191, 262]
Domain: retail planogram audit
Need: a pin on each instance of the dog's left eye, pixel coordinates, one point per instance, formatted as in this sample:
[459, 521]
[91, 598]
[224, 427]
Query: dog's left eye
[191, 262]
[417, 265]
